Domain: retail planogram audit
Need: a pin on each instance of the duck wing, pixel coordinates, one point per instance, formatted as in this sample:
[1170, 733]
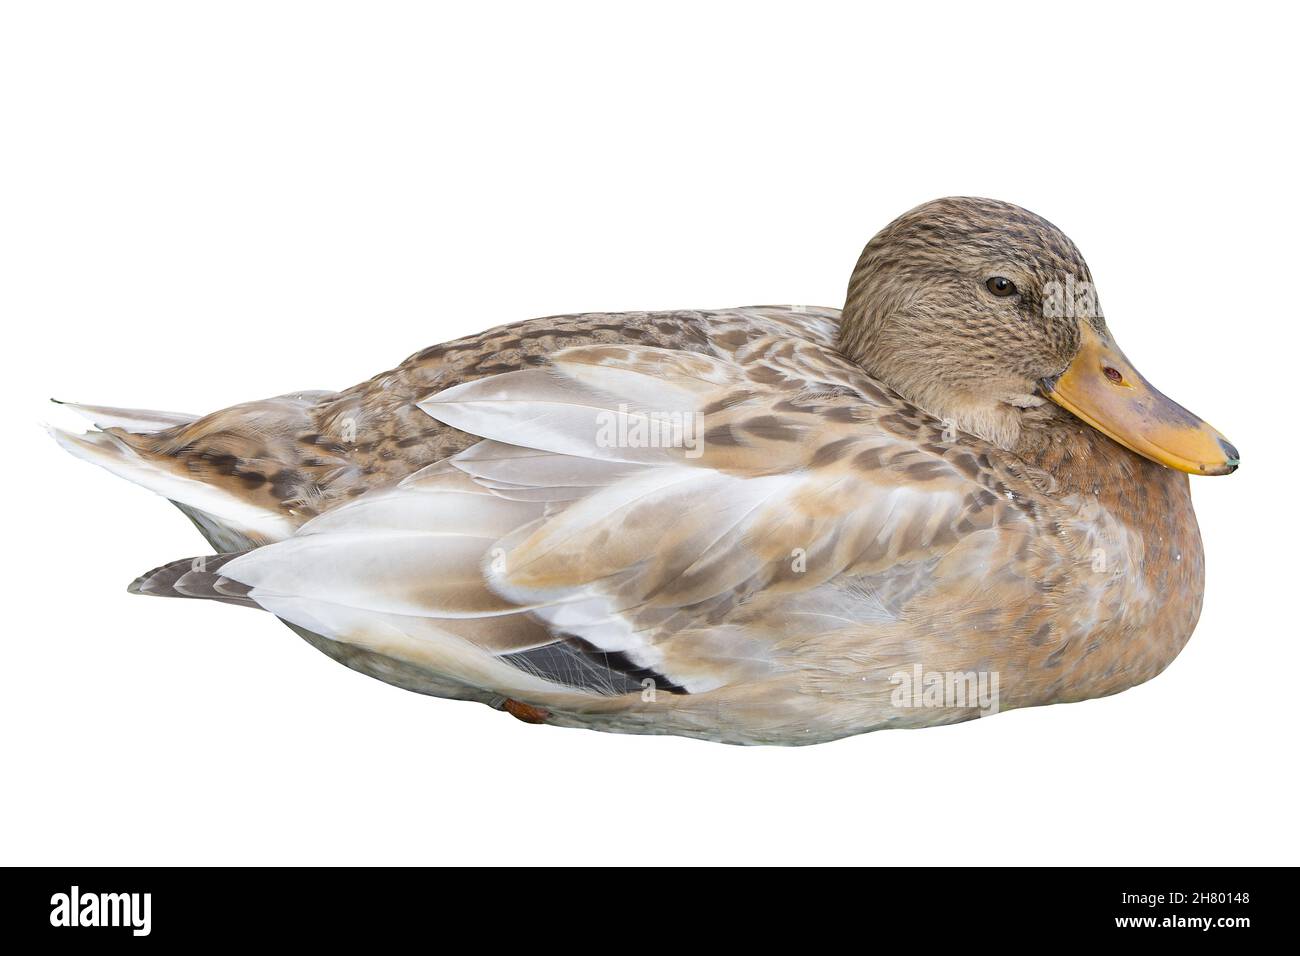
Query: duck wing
[255, 472]
[633, 514]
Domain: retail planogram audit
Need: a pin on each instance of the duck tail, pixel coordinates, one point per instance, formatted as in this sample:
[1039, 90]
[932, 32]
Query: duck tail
[138, 421]
[199, 578]
[137, 444]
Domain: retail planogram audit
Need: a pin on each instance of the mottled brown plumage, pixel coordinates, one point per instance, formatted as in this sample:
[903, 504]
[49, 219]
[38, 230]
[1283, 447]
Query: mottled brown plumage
[866, 495]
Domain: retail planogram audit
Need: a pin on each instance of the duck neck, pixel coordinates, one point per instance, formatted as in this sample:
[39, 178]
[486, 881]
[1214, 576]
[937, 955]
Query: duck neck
[1080, 458]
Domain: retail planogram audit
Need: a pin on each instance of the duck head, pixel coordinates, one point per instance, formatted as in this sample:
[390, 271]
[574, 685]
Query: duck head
[979, 311]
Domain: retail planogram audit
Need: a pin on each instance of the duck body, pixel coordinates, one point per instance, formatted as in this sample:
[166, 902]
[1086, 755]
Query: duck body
[705, 523]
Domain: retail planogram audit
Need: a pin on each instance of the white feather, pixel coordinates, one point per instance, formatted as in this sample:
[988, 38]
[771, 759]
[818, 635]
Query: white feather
[136, 420]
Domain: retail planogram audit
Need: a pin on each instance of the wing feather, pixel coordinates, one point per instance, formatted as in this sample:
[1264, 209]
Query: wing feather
[583, 565]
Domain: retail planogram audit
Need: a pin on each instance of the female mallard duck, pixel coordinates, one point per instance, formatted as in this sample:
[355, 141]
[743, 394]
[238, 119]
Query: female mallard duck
[762, 525]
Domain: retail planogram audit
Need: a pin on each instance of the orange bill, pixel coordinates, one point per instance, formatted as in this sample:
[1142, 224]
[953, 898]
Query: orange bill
[1102, 388]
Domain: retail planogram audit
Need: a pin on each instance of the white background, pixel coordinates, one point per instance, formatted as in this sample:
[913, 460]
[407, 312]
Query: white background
[204, 204]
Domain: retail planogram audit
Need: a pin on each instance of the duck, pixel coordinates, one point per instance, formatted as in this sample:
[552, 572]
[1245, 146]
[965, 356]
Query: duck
[786, 525]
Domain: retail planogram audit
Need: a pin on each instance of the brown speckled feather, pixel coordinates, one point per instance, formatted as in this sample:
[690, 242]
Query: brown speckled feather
[302, 453]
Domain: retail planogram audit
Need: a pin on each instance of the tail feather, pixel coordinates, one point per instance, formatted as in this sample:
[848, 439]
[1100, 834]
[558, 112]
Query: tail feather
[224, 517]
[194, 578]
[246, 475]
[138, 421]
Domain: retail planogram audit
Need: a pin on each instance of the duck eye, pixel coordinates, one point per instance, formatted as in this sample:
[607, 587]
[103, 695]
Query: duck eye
[1001, 286]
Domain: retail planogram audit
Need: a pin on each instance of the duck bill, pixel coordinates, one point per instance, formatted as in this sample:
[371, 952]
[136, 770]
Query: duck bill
[1102, 388]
